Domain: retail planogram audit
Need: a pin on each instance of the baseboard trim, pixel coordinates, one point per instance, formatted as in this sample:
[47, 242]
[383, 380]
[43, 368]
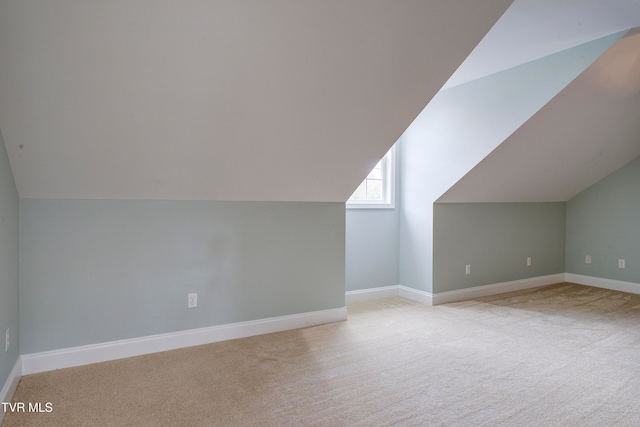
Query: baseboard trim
[497, 288]
[453, 296]
[416, 295]
[10, 386]
[599, 282]
[85, 355]
[370, 294]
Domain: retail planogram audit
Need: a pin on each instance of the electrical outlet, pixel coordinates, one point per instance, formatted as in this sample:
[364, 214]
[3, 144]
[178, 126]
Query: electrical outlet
[468, 269]
[529, 261]
[621, 263]
[6, 340]
[192, 300]
[587, 259]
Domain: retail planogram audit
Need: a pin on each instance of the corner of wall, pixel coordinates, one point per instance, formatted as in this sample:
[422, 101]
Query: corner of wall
[602, 223]
[9, 271]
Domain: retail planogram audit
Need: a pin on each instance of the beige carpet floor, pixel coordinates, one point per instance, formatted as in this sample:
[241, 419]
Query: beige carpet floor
[561, 355]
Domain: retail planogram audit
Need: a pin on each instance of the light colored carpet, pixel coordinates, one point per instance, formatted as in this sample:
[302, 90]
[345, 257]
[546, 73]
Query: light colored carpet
[561, 355]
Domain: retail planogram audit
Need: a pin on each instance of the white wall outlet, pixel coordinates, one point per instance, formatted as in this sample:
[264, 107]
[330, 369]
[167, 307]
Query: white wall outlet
[621, 263]
[6, 340]
[587, 259]
[468, 269]
[528, 261]
[192, 300]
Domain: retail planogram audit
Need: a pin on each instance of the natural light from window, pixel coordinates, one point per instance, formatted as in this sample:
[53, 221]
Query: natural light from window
[377, 189]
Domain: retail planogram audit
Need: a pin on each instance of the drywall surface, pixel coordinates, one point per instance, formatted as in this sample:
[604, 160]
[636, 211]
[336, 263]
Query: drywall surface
[266, 100]
[9, 267]
[496, 239]
[583, 134]
[372, 242]
[371, 248]
[604, 222]
[415, 223]
[95, 271]
[458, 129]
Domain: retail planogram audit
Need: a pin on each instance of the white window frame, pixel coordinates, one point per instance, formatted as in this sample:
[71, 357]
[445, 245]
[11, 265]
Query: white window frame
[388, 186]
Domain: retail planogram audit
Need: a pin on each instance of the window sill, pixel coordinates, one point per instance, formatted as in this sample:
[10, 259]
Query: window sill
[365, 206]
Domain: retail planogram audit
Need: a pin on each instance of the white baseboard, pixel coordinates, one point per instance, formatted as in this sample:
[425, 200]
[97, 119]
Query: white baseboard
[497, 288]
[65, 358]
[598, 282]
[387, 292]
[84, 355]
[369, 294]
[10, 386]
[453, 296]
[416, 295]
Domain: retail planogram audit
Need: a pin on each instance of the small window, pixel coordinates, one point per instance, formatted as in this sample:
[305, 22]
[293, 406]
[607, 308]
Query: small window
[377, 189]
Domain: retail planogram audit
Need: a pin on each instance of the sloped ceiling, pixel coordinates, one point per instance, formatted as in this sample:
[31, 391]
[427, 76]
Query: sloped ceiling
[590, 129]
[219, 100]
[533, 29]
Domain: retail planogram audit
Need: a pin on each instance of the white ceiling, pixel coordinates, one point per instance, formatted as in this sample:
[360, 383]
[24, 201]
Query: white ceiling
[532, 29]
[219, 100]
[590, 129]
[289, 100]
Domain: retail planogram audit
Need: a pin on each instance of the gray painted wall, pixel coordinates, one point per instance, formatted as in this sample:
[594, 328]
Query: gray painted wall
[496, 239]
[9, 266]
[371, 248]
[372, 243]
[95, 271]
[459, 128]
[604, 221]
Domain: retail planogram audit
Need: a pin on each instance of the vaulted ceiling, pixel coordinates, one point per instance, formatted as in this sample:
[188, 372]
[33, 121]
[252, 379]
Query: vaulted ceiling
[533, 29]
[590, 129]
[219, 100]
[585, 132]
[287, 100]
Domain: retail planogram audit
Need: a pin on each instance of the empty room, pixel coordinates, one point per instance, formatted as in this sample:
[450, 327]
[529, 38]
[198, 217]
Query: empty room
[324, 213]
